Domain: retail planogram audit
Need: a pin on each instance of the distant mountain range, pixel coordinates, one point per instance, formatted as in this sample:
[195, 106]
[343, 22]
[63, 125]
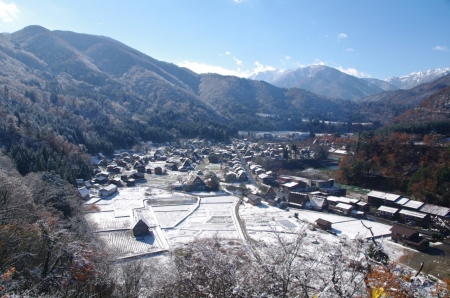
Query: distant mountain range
[416, 78]
[333, 83]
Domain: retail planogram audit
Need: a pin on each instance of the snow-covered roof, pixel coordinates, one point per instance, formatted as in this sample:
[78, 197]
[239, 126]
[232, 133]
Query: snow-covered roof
[344, 206]
[109, 187]
[83, 191]
[388, 209]
[435, 210]
[384, 196]
[342, 200]
[413, 213]
[402, 201]
[290, 184]
[392, 197]
[413, 204]
[376, 194]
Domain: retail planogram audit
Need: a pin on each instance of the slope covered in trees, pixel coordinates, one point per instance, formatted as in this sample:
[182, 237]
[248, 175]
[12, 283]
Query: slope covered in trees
[398, 163]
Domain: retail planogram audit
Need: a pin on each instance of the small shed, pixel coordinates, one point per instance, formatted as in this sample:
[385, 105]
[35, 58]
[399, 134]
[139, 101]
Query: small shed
[253, 199]
[323, 224]
[158, 171]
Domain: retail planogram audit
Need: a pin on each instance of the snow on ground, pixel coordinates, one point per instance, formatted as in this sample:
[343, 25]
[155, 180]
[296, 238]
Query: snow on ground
[104, 221]
[212, 217]
[123, 201]
[113, 222]
[169, 216]
[346, 225]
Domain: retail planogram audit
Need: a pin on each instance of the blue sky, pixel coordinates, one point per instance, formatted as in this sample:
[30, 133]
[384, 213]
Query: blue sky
[377, 39]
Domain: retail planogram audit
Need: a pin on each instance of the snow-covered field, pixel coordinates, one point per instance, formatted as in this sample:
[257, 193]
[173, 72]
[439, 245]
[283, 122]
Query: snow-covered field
[213, 217]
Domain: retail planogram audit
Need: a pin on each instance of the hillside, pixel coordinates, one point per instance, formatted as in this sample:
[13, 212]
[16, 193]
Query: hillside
[387, 105]
[433, 108]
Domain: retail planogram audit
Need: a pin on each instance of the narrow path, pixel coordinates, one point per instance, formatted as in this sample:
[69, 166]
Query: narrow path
[243, 231]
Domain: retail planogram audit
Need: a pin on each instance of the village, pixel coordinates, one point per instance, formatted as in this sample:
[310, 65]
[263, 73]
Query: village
[145, 203]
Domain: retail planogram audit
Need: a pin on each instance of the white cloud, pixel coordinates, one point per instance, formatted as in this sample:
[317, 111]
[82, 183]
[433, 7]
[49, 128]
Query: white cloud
[318, 62]
[205, 68]
[238, 62]
[441, 48]
[354, 72]
[227, 53]
[349, 50]
[287, 57]
[238, 1]
[8, 11]
[259, 67]
[341, 36]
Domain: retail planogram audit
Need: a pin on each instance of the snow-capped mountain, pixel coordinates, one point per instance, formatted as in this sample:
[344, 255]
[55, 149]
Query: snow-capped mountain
[322, 80]
[417, 78]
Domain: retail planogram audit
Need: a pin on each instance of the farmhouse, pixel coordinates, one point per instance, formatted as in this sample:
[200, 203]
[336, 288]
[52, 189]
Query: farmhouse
[418, 218]
[297, 199]
[378, 198]
[388, 212]
[194, 183]
[409, 237]
[84, 192]
[317, 203]
[107, 190]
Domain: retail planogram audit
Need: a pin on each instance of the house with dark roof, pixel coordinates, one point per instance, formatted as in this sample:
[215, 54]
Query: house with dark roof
[409, 237]
[194, 183]
[253, 199]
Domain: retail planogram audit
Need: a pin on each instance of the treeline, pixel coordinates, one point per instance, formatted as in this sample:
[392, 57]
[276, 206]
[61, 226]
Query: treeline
[422, 128]
[395, 162]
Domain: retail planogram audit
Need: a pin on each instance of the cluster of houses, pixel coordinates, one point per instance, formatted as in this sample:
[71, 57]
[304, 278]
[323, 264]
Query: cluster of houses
[412, 212]
[125, 169]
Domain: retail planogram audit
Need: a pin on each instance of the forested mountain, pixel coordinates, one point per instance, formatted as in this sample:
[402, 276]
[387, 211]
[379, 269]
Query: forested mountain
[112, 95]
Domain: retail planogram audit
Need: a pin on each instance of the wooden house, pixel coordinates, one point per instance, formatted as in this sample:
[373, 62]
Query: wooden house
[84, 192]
[409, 237]
[378, 198]
[242, 176]
[140, 228]
[297, 199]
[317, 203]
[107, 190]
[270, 194]
[343, 209]
[390, 213]
[415, 218]
[158, 171]
[230, 176]
[195, 183]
